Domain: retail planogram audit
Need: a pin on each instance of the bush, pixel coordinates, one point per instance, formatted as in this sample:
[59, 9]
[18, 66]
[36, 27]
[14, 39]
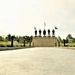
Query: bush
[74, 45]
[8, 45]
[2, 45]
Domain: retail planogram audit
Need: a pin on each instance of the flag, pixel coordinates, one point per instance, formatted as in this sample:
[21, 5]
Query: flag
[34, 28]
[56, 28]
[44, 25]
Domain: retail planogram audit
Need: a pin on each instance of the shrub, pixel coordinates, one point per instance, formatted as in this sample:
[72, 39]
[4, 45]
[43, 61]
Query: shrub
[8, 45]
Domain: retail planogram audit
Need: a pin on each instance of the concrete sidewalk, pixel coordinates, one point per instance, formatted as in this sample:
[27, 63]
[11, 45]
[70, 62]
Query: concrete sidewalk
[38, 61]
[10, 48]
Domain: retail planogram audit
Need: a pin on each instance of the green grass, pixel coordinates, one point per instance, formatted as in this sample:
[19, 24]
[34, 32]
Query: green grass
[8, 44]
[68, 44]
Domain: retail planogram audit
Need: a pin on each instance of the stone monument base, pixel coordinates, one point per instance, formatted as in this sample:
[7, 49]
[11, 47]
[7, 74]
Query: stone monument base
[44, 41]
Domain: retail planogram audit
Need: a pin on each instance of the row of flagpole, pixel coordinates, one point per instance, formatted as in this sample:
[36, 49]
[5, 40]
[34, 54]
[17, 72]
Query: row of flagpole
[45, 26]
[55, 28]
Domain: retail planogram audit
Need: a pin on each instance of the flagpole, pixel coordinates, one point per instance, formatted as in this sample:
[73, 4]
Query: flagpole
[44, 24]
[55, 28]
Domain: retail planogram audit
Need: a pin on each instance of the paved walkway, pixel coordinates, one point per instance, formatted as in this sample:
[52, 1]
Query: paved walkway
[38, 61]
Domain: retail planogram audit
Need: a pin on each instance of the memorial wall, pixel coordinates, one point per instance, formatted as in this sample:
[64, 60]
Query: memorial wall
[44, 41]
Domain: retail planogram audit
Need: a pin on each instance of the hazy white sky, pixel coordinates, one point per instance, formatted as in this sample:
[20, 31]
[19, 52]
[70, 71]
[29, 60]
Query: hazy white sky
[20, 16]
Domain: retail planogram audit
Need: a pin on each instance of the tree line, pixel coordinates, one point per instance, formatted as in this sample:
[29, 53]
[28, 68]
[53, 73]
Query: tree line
[27, 39]
[69, 39]
[19, 39]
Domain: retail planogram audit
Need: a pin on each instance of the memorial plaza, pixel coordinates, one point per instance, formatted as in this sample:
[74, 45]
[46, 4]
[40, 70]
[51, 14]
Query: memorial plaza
[38, 61]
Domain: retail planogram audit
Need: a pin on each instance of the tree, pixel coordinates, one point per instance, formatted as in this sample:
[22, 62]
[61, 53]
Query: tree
[16, 38]
[8, 37]
[31, 37]
[20, 39]
[73, 40]
[12, 41]
[1, 38]
[27, 39]
[69, 38]
[59, 39]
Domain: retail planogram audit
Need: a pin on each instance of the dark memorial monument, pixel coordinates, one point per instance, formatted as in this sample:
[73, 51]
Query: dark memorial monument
[44, 32]
[53, 33]
[48, 32]
[40, 33]
[35, 33]
[46, 41]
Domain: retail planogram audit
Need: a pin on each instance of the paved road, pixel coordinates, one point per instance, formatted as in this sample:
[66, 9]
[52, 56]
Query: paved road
[38, 61]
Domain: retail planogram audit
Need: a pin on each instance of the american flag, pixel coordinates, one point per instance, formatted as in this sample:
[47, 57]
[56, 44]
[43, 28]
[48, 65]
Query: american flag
[34, 28]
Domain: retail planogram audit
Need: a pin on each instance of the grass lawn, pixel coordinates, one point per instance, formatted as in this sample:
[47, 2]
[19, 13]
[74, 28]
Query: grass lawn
[8, 44]
[68, 44]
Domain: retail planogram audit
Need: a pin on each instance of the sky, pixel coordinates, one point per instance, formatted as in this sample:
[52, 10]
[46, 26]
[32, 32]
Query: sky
[19, 17]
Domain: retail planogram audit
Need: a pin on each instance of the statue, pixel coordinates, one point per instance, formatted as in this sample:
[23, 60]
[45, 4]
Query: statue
[53, 32]
[44, 32]
[35, 33]
[40, 33]
[48, 32]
